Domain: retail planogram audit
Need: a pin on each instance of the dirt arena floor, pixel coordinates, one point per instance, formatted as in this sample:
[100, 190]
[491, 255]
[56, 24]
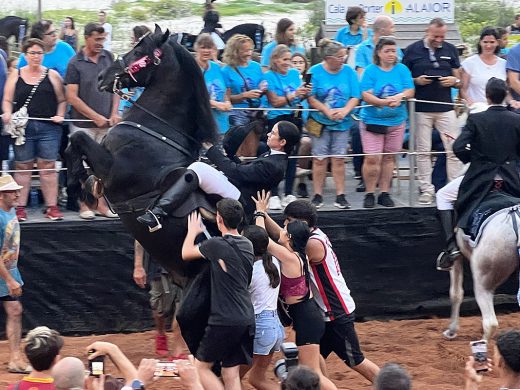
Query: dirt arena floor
[418, 345]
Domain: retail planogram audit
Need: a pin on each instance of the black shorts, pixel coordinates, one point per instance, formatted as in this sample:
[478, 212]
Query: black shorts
[308, 322]
[231, 345]
[9, 298]
[340, 337]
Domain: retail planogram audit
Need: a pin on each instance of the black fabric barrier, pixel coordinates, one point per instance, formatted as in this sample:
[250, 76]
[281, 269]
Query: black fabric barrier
[78, 275]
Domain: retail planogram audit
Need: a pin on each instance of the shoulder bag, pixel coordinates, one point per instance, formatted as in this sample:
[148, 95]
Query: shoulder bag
[20, 118]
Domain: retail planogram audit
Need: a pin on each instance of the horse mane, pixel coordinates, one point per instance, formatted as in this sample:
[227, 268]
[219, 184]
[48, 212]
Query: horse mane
[206, 129]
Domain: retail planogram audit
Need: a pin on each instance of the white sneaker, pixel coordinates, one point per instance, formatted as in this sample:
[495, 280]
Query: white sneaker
[288, 199]
[425, 198]
[275, 203]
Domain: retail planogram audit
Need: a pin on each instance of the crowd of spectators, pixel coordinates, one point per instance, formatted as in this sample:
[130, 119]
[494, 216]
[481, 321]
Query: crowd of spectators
[234, 80]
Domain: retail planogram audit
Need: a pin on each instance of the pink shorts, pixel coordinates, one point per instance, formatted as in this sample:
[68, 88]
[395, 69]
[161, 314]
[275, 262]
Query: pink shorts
[391, 142]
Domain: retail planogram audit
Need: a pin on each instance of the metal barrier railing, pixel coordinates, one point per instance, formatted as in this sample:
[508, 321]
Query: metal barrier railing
[411, 153]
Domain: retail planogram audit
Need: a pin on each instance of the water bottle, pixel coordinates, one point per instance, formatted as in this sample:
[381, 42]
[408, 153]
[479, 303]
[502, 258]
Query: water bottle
[34, 197]
[5, 167]
[258, 39]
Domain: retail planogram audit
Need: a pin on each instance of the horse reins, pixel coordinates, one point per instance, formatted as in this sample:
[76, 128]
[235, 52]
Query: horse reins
[132, 69]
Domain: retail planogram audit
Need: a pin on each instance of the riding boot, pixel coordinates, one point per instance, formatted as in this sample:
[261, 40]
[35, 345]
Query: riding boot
[447, 258]
[170, 200]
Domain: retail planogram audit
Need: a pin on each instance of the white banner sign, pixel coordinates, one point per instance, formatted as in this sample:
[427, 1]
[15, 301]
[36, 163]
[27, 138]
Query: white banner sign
[401, 11]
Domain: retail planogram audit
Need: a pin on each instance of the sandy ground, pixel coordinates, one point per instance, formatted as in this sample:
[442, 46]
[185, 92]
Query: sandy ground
[434, 363]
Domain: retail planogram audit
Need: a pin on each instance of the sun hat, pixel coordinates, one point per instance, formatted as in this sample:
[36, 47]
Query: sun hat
[7, 183]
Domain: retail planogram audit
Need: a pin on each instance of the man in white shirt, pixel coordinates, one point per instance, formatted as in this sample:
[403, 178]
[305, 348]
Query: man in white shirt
[102, 16]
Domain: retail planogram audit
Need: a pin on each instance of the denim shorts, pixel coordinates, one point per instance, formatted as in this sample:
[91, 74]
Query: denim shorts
[269, 333]
[42, 141]
[331, 142]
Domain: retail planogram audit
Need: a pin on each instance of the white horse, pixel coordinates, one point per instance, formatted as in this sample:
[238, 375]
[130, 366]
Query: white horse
[492, 261]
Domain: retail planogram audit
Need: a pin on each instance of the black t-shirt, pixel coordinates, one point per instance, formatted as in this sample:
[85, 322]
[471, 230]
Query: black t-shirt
[230, 300]
[417, 59]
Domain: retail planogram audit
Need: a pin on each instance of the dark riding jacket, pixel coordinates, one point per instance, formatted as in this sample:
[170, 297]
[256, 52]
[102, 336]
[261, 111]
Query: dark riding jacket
[262, 173]
[491, 142]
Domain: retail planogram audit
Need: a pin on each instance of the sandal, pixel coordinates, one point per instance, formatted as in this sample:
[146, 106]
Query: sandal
[19, 370]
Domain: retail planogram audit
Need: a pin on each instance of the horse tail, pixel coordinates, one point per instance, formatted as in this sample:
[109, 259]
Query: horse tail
[76, 172]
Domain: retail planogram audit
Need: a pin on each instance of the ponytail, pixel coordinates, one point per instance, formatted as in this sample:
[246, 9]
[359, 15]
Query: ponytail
[271, 270]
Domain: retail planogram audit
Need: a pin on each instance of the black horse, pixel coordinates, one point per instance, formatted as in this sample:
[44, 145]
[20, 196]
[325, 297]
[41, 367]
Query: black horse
[141, 156]
[14, 26]
[254, 31]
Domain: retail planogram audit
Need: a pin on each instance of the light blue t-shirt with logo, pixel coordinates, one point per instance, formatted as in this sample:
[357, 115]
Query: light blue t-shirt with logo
[282, 85]
[365, 53]
[216, 85]
[383, 84]
[334, 90]
[253, 75]
[9, 247]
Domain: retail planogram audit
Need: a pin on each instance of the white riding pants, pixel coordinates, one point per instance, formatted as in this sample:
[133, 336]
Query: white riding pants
[447, 195]
[212, 181]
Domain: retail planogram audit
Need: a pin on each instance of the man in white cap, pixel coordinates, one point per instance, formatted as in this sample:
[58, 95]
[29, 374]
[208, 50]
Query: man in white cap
[10, 278]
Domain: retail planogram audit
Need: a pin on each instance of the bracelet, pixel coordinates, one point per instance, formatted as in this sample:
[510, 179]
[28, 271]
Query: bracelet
[259, 214]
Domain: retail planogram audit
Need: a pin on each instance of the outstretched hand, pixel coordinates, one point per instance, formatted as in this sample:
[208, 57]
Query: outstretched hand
[195, 223]
[262, 200]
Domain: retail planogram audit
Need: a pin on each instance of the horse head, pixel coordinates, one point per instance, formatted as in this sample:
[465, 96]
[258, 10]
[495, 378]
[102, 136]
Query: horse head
[137, 67]
[174, 86]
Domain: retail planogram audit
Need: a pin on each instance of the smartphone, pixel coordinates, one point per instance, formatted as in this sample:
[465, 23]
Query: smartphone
[308, 77]
[96, 366]
[432, 77]
[166, 369]
[479, 350]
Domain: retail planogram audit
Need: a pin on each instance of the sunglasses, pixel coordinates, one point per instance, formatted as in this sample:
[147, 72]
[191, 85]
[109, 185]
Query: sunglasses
[35, 53]
[53, 32]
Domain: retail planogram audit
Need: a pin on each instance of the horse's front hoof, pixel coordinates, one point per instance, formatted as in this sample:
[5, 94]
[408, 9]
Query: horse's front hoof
[449, 335]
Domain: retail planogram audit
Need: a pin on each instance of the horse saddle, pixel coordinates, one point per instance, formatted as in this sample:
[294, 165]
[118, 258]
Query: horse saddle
[206, 204]
[492, 204]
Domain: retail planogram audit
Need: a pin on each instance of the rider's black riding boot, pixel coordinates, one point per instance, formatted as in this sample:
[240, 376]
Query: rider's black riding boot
[452, 253]
[170, 200]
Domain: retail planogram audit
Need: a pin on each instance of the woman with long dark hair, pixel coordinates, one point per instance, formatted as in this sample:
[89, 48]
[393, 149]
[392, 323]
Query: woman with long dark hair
[308, 322]
[264, 289]
[285, 89]
[69, 33]
[285, 35]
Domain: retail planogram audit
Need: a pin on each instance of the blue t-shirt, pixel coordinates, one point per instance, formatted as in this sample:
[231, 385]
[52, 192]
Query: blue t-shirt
[282, 85]
[9, 247]
[3, 78]
[253, 75]
[346, 38]
[334, 90]
[513, 64]
[268, 50]
[365, 53]
[216, 85]
[58, 59]
[383, 84]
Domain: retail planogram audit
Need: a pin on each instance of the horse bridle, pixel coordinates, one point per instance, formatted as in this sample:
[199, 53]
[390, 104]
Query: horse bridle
[134, 68]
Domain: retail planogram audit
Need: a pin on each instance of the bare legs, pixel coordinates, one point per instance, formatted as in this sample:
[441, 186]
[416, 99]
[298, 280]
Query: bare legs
[13, 330]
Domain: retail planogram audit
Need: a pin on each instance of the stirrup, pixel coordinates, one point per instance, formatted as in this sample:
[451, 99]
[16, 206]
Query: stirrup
[444, 261]
[157, 226]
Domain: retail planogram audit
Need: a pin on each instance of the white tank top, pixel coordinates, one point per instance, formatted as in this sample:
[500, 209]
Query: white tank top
[263, 296]
[328, 284]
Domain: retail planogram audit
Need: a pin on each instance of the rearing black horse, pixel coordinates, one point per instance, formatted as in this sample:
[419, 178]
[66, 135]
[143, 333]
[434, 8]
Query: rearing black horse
[139, 157]
[14, 26]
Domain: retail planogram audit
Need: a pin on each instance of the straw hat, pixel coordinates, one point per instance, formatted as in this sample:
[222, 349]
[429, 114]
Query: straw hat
[7, 183]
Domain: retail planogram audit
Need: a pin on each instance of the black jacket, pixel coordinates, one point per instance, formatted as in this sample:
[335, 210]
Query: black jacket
[262, 173]
[491, 142]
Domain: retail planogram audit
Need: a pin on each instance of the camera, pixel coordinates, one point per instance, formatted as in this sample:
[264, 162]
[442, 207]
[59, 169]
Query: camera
[290, 361]
[96, 365]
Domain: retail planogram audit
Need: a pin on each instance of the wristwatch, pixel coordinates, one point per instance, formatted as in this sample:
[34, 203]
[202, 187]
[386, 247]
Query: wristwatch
[137, 385]
[457, 82]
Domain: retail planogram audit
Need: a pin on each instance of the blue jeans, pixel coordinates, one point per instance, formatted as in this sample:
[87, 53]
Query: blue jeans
[269, 333]
[42, 141]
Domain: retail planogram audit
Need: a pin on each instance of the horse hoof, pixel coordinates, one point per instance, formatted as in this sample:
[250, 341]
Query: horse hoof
[449, 335]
